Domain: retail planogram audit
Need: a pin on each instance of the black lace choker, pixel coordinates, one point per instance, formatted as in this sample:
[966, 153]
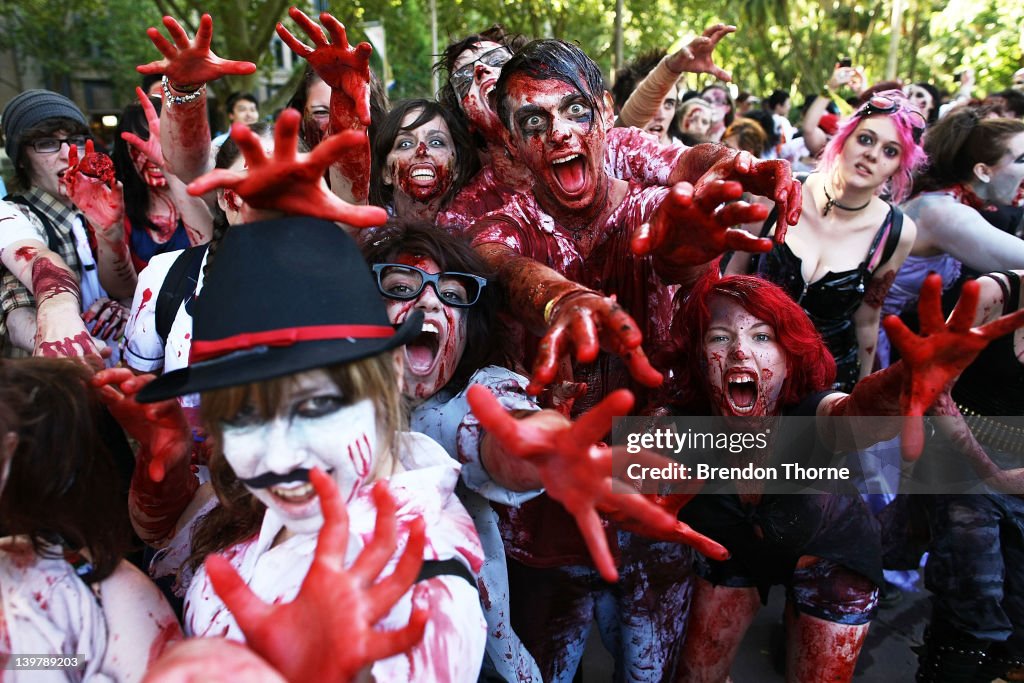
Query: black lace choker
[833, 202]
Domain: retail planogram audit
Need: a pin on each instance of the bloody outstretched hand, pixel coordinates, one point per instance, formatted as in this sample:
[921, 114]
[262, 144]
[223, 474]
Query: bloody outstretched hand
[327, 633]
[190, 62]
[290, 182]
[772, 178]
[150, 148]
[694, 226]
[343, 67]
[577, 472]
[91, 187]
[161, 428]
[697, 57]
[936, 357]
[590, 322]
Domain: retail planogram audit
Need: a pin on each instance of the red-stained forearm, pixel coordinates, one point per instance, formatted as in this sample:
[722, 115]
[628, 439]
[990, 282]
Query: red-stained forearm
[185, 138]
[696, 161]
[114, 264]
[350, 174]
[155, 507]
[529, 284]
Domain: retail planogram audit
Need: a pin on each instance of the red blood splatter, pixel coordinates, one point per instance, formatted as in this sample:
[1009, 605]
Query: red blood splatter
[169, 632]
[877, 289]
[25, 254]
[50, 280]
[66, 347]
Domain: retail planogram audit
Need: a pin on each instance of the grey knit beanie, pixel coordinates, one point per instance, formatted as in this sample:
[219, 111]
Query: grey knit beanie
[31, 108]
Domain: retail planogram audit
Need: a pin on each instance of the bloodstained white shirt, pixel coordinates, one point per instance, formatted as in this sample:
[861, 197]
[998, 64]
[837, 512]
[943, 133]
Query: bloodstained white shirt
[453, 644]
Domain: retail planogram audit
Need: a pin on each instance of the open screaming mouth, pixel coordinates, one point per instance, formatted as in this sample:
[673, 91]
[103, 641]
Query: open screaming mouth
[570, 172]
[421, 352]
[741, 390]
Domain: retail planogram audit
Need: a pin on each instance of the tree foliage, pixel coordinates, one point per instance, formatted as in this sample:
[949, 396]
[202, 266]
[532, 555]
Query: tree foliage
[789, 44]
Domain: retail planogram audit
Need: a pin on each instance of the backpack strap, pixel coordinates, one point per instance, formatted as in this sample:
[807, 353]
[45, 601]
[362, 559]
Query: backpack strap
[179, 284]
[432, 568]
[52, 241]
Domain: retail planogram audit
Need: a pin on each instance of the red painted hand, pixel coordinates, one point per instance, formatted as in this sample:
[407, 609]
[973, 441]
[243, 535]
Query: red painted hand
[106, 319]
[161, 428]
[590, 322]
[936, 357]
[151, 147]
[692, 227]
[577, 472]
[771, 178]
[341, 66]
[190, 62]
[290, 182]
[95, 192]
[698, 57]
[343, 604]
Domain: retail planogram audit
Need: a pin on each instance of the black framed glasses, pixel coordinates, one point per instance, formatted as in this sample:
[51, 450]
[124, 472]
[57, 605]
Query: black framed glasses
[52, 145]
[463, 77]
[402, 282]
[880, 104]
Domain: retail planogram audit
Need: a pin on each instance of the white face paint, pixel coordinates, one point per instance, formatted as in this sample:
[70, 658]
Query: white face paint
[314, 427]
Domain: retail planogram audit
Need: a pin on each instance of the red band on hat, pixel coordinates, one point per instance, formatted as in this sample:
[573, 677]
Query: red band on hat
[205, 350]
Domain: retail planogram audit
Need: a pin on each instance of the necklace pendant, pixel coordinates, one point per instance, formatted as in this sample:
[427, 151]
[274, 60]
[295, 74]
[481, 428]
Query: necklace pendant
[828, 206]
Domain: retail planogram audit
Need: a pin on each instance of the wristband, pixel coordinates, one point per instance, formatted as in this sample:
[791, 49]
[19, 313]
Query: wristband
[181, 99]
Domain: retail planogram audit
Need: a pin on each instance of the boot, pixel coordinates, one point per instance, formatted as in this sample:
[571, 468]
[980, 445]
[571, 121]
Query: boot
[948, 656]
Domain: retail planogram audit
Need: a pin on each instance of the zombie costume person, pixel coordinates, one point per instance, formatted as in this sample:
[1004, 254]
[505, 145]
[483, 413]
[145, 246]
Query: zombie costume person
[160, 216]
[976, 552]
[749, 351]
[840, 260]
[65, 591]
[553, 250]
[474, 65]
[973, 163]
[318, 389]
[460, 337]
[422, 154]
[44, 133]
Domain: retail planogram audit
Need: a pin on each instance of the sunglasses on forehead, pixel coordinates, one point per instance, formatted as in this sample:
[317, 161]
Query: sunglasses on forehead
[880, 104]
[404, 283]
[462, 78]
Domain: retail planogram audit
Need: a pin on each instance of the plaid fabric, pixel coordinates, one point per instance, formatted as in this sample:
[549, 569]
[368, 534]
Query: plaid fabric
[15, 295]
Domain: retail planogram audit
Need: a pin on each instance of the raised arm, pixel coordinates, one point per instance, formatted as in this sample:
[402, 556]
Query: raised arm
[772, 178]
[577, 472]
[569, 316]
[57, 316]
[696, 57]
[693, 227]
[289, 182]
[163, 483]
[961, 232]
[346, 70]
[92, 188]
[195, 215]
[930, 362]
[188, 65]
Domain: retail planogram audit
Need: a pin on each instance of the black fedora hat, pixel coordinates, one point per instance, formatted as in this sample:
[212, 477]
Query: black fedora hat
[283, 296]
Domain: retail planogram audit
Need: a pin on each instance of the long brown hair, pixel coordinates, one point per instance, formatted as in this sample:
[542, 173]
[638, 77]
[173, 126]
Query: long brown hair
[63, 486]
[240, 514]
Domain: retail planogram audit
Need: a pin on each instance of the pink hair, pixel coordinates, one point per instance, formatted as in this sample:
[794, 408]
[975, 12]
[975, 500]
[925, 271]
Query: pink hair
[912, 158]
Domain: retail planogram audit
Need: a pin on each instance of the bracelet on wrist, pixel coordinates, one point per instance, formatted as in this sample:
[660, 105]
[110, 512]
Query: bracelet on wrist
[172, 98]
[552, 304]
